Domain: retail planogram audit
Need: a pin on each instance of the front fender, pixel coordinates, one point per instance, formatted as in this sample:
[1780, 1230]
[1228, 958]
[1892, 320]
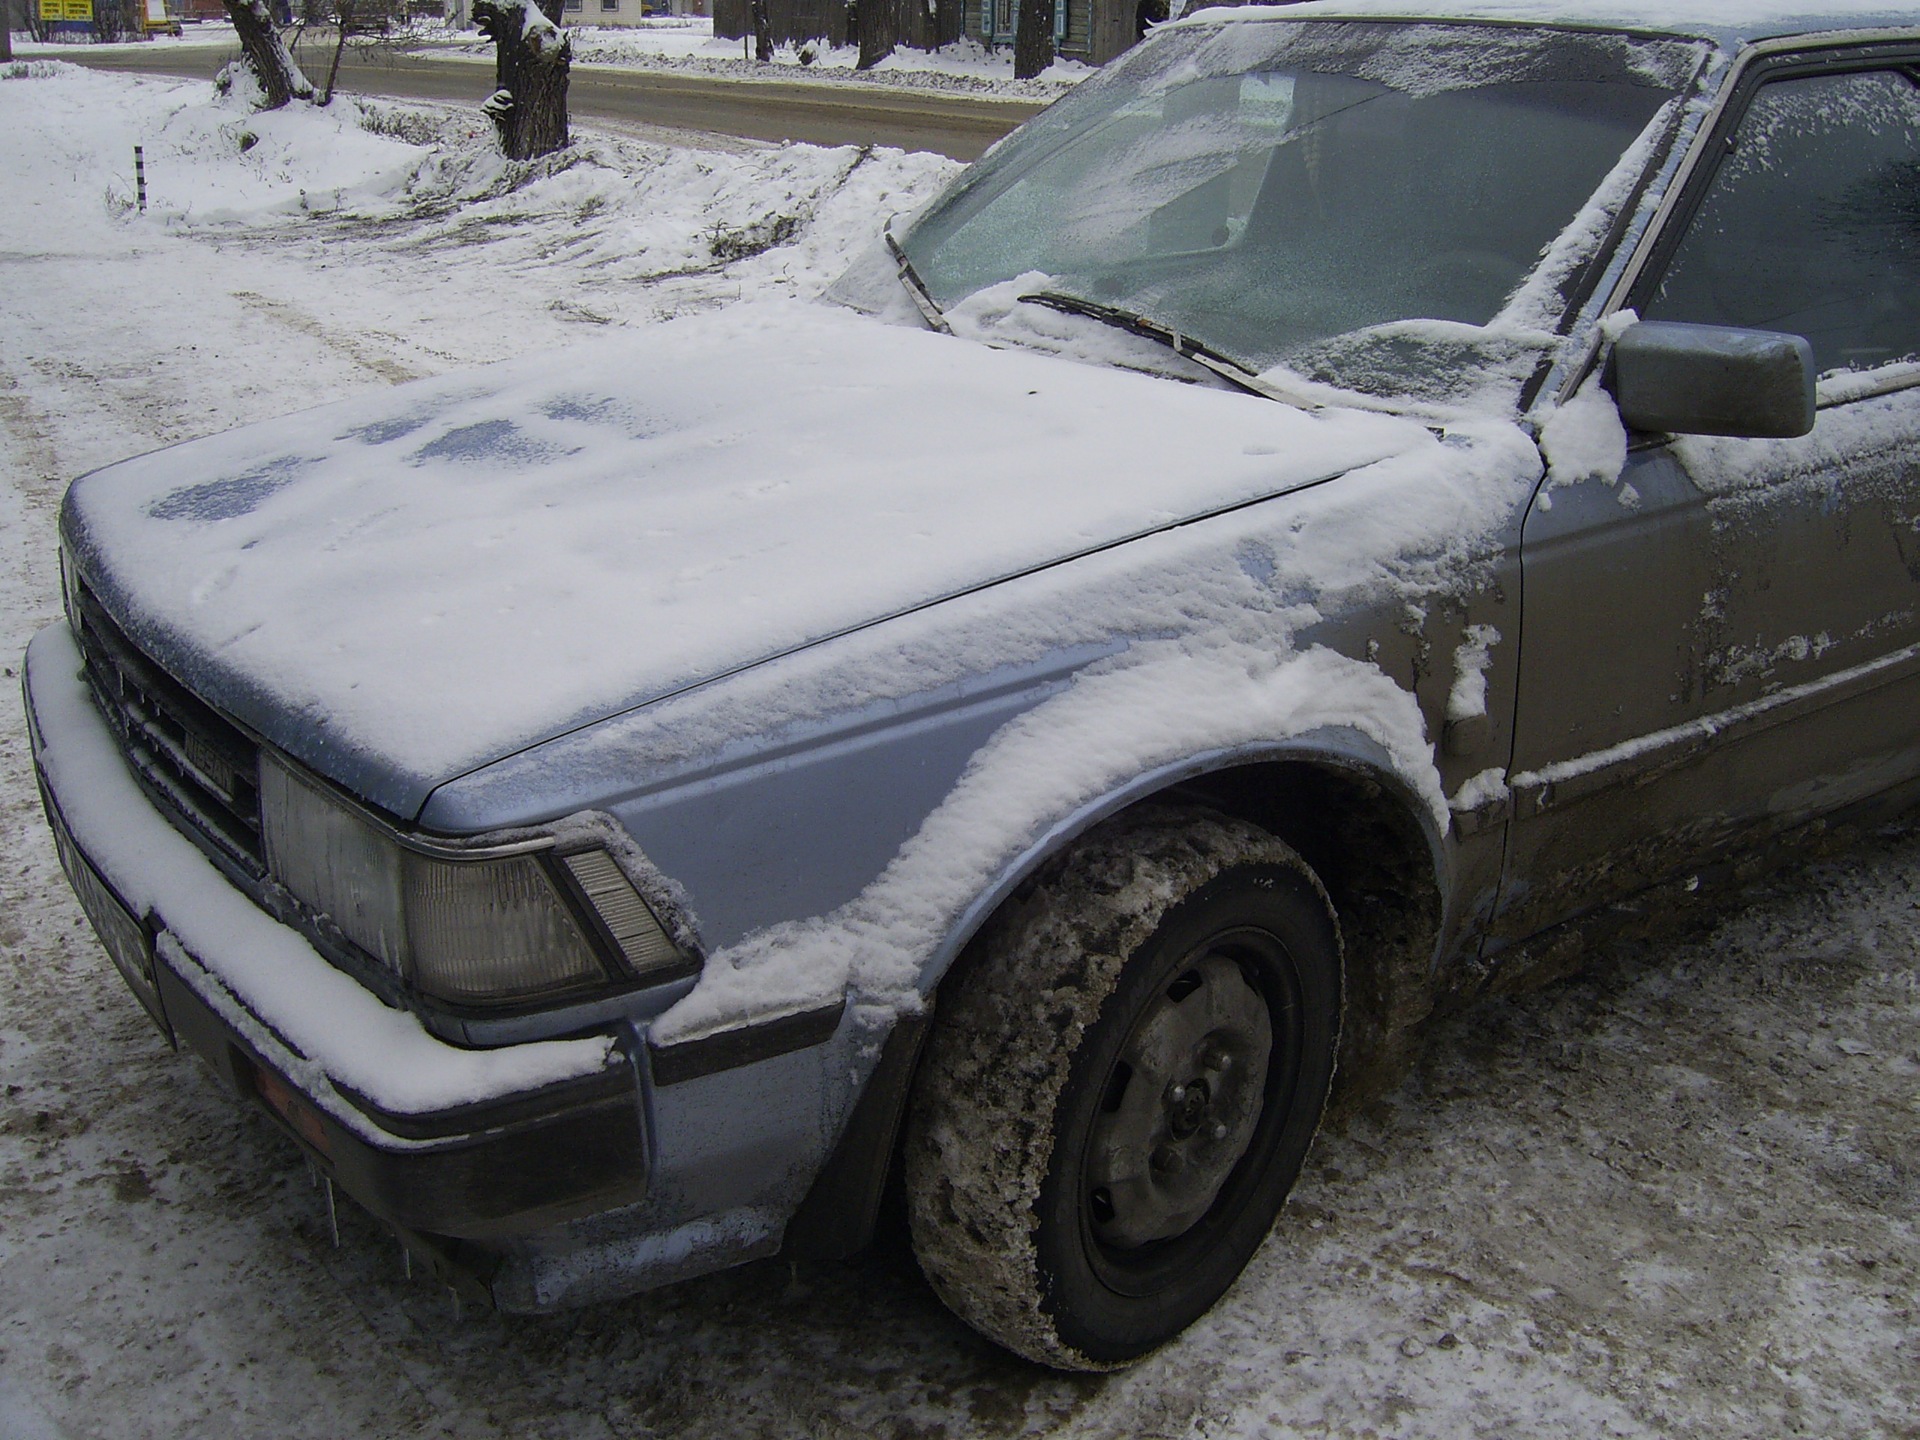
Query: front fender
[1125, 728]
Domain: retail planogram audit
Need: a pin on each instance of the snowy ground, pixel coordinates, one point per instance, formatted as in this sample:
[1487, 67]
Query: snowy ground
[1676, 1198]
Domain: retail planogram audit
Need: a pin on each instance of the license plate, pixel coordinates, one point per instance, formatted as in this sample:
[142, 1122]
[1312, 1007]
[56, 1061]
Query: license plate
[126, 940]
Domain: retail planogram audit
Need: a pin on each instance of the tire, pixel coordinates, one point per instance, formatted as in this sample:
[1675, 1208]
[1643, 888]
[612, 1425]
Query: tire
[1090, 1161]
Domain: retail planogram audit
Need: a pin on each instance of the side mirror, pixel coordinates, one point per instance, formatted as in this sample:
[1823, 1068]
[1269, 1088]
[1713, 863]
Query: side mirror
[1711, 380]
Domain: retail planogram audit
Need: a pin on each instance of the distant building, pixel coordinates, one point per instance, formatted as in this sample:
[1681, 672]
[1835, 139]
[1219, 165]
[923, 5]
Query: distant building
[922, 25]
[1093, 31]
[625, 12]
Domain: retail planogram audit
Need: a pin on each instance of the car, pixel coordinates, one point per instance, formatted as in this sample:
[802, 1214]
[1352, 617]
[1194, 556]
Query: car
[1312, 528]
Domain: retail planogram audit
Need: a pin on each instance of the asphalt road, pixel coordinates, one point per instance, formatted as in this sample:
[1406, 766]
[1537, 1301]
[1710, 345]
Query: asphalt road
[819, 113]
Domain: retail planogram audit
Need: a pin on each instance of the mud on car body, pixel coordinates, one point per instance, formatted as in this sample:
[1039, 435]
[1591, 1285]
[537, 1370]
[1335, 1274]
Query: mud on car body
[1296, 533]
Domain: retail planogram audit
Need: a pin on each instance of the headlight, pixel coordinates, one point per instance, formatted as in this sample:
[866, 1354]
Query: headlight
[491, 930]
[484, 931]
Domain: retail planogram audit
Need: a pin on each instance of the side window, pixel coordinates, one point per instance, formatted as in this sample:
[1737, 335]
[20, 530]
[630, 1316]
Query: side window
[1812, 224]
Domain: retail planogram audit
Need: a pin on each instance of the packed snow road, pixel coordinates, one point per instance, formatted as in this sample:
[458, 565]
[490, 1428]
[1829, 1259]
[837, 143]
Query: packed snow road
[1676, 1197]
[961, 126]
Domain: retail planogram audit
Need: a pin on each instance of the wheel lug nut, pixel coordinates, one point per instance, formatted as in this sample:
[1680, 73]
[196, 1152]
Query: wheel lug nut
[1217, 1057]
[1166, 1160]
[1219, 1131]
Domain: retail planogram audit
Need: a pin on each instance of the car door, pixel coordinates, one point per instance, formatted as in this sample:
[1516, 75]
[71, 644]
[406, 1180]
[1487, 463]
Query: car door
[1722, 644]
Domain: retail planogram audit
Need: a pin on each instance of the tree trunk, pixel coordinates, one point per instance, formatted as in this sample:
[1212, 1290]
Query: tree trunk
[1033, 39]
[762, 30]
[531, 59]
[280, 79]
[333, 66]
[6, 30]
[346, 18]
[879, 32]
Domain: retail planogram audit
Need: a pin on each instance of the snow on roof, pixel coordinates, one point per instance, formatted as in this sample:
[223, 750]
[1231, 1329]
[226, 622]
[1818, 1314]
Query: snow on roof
[1729, 23]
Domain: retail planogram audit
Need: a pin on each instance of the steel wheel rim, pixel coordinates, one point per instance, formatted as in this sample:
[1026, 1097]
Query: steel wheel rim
[1182, 1102]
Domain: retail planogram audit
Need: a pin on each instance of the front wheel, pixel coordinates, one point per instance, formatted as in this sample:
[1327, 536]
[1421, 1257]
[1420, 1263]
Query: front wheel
[1122, 1085]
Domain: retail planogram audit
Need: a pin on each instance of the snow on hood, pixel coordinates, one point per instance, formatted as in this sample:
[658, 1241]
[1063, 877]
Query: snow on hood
[405, 586]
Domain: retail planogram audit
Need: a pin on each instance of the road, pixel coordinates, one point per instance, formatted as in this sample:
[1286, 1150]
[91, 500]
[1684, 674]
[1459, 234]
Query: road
[819, 113]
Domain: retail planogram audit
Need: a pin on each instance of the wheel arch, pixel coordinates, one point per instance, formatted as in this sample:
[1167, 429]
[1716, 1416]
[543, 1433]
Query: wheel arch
[1331, 794]
[1334, 796]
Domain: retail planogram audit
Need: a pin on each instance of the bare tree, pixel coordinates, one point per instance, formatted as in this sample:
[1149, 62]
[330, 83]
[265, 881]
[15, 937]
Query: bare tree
[877, 23]
[6, 30]
[367, 27]
[117, 19]
[531, 60]
[351, 18]
[267, 55]
[1033, 39]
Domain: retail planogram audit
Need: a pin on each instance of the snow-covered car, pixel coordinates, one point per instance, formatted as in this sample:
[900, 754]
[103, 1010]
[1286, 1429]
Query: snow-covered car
[1300, 534]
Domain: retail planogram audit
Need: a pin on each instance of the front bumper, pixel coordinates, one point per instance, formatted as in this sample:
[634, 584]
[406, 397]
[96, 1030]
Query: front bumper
[430, 1137]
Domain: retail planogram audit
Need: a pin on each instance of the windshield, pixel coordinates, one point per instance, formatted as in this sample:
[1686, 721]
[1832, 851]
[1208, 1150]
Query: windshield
[1269, 187]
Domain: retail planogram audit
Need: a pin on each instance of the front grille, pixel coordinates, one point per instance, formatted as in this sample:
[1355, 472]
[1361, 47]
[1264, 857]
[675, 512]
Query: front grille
[194, 760]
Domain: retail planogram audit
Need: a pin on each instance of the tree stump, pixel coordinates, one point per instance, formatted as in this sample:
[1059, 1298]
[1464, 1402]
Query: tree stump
[531, 59]
[762, 14]
[877, 27]
[267, 55]
[1033, 39]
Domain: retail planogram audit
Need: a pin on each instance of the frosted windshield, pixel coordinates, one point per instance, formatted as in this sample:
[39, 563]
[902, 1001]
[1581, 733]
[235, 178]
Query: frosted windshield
[1267, 187]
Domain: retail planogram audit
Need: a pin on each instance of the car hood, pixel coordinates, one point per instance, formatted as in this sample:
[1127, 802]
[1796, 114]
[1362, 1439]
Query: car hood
[399, 588]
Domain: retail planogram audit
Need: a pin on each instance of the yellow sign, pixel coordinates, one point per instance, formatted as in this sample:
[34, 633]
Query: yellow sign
[78, 10]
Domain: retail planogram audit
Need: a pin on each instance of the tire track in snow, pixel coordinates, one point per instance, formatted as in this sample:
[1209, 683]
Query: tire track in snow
[36, 459]
[297, 320]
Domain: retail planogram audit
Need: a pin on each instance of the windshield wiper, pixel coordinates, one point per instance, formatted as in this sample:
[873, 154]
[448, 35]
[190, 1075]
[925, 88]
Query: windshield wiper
[910, 281]
[1185, 346]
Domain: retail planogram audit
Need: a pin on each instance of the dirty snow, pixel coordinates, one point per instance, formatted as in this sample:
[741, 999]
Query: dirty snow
[1483, 788]
[1468, 697]
[1674, 1199]
[1583, 440]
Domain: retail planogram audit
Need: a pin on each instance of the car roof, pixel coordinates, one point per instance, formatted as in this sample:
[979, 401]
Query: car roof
[1728, 23]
